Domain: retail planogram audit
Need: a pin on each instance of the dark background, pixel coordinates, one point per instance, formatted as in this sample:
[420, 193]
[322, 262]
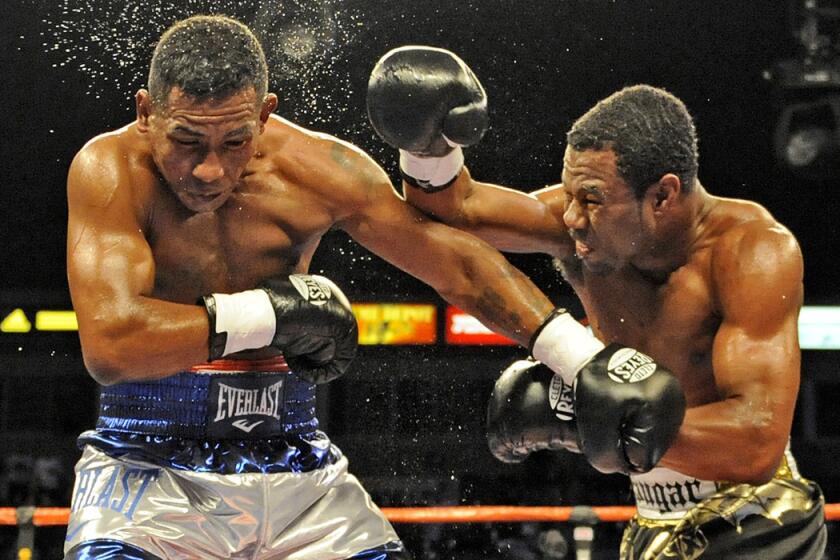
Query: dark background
[410, 419]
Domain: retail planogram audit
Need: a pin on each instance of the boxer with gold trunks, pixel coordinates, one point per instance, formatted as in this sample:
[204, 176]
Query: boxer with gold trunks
[683, 517]
[669, 275]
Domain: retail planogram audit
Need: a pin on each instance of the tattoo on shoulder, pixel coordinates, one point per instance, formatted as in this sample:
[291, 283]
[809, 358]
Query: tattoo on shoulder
[342, 155]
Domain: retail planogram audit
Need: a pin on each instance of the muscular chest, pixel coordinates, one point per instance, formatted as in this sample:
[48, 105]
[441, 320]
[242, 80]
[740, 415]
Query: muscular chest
[266, 230]
[674, 321]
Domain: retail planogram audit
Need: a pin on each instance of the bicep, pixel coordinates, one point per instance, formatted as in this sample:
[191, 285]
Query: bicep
[756, 354]
[407, 238]
[371, 211]
[761, 371]
[108, 257]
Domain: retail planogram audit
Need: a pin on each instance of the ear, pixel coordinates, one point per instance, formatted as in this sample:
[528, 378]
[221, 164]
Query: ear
[664, 193]
[268, 106]
[143, 105]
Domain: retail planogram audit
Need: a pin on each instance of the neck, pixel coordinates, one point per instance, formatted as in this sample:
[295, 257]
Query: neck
[677, 239]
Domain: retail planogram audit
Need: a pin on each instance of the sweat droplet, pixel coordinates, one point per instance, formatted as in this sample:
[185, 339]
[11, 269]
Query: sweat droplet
[306, 43]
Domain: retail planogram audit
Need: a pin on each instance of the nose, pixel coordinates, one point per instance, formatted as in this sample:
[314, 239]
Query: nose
[573, 216]
[210, 169]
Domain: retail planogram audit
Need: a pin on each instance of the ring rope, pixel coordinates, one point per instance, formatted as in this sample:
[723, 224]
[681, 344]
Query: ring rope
[51, 516]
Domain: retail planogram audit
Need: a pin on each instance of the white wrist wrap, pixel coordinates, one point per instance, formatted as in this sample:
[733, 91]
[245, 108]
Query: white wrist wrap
[248, 319]
[565, 346]
[435, 171]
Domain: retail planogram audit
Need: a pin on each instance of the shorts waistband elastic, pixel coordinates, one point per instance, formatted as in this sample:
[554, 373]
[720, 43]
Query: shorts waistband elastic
[222, 400]
[664, 494]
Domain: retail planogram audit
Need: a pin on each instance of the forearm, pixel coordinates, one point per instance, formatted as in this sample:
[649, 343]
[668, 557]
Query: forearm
[146, 339]
[727, 440]
[507, 219]
[499, 295]
[446, 205]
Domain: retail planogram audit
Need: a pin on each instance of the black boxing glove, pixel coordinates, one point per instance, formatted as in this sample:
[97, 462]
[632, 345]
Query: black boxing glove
[426, 101]
[531, 409]
[628, 408]
[307, 317]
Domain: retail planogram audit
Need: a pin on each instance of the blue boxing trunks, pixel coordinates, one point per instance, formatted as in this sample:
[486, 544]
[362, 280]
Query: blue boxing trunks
[683, 518]
[222, 462]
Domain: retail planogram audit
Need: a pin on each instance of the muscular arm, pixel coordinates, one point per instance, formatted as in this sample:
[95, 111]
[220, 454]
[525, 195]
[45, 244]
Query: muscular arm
[508, 219]
[756, 359]
[125, 334]
[463, 269]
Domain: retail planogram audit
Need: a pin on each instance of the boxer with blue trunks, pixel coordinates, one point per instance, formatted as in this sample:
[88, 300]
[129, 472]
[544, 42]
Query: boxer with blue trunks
[223, 461]
[190, 235]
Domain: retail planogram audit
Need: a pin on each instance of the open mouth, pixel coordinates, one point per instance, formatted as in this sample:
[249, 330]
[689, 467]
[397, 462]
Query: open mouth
[582, 249]
[203, 201]
[206, 197]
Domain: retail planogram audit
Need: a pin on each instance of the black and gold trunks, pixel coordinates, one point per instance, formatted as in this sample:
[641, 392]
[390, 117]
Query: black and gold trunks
[782, 519]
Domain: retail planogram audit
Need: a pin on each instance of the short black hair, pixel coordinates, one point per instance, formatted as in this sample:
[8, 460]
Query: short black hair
[207, 57]
[649, 129]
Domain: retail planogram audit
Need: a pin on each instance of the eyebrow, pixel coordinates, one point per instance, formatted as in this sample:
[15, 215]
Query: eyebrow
[192, 132]
[593, 190]
[185, 130]
[241, 130]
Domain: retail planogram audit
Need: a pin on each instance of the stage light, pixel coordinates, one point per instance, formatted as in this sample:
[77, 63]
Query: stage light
[806, 138]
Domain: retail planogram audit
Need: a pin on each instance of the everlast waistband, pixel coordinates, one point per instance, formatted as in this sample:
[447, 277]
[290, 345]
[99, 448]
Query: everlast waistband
[222, 400]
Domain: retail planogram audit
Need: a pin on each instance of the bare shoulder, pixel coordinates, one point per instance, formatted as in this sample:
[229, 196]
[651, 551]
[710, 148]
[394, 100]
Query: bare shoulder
[105, 162]
[756, 261]
[113, 171]
[102, 152]
[746, 226]
[322, 163]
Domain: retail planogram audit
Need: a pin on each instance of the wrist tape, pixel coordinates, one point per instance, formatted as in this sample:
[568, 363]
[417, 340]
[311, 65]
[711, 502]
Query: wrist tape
[240, 321]
[564, 345]
[431, 174]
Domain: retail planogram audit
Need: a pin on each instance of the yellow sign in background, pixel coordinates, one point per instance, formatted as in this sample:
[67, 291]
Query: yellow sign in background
[396, 323]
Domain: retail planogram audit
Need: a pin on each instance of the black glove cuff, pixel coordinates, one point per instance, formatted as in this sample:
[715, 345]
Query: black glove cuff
[425, 186]
[551, 316]
[217, 341]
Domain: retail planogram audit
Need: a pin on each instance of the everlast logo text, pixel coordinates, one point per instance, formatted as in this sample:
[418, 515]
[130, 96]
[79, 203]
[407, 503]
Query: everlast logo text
[246, 405]
[629, 366]
[669, 496]
[561, 398]
[313, 291]
[235, 402]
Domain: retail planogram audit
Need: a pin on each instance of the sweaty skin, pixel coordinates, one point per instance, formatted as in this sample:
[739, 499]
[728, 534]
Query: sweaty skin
[709, 287]
[217, 196]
